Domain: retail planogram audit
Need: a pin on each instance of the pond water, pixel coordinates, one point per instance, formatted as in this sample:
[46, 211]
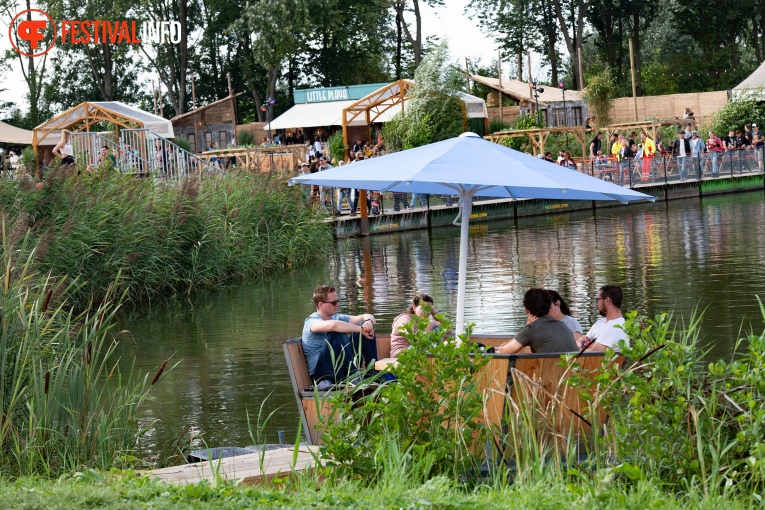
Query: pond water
[667, 256]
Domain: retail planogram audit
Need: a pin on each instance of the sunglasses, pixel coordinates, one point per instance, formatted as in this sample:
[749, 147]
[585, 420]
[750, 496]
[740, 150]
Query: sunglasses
[333, 303]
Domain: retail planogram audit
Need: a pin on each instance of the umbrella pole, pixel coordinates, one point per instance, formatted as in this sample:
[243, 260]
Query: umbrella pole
[466, 199]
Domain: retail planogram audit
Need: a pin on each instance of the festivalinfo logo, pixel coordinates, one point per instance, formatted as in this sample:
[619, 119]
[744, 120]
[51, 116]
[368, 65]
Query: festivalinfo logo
[33, 32]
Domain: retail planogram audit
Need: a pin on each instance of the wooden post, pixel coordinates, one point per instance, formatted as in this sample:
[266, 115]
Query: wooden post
[193, 93]
[581, 74]
[154, 96]
[499, 74]
[632, 71]
[159, 98]
[531, 94]
[230, 90]
[467, 75]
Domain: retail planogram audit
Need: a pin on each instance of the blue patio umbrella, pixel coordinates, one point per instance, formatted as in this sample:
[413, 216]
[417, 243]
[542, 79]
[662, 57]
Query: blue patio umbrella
[470, 166]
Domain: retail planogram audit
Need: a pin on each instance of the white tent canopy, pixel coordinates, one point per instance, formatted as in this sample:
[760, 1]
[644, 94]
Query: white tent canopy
[756, 80]
[86, 113]
[13, 135]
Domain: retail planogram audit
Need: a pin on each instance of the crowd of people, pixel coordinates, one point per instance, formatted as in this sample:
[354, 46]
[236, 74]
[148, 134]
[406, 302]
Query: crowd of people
[337, 346]
[624, 151]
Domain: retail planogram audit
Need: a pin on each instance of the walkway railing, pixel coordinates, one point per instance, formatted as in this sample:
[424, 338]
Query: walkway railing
[151, 153]
[141, 152]
[664, 168]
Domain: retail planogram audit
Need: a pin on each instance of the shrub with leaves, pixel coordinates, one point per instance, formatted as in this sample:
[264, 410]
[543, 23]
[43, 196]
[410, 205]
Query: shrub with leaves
[600, 93]
[434, 112]
[683, 420]
[744, 108]
[425, 423]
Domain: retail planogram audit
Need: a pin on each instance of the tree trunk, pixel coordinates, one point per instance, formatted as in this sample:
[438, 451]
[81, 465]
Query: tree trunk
[636, 51]
[416, 39]
[399, 41]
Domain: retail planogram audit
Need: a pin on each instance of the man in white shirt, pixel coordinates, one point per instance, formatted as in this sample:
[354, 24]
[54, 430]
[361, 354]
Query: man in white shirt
[605, 333]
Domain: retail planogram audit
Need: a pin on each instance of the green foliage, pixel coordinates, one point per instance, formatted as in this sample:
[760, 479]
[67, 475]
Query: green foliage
[683, 420]
[183, 143]
[522, 143]
[163, 238]
[600, 93]
[498, 125]
[744, 108]
[336, 147]
[434, 113]
[28, 157]
[440, 435]
[64, 403]
[245, 138]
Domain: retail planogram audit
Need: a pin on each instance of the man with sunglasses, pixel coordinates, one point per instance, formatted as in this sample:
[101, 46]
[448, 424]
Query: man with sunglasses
[332, 342]
[607, 332]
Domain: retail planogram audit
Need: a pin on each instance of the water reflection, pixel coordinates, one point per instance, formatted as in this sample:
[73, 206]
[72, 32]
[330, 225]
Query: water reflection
[667, 256]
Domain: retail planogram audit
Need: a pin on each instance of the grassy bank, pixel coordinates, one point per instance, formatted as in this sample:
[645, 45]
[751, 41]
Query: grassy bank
[124, 490]
[161, 238]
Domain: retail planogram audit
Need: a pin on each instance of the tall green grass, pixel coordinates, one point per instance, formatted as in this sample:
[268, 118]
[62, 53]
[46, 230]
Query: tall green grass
[163, 238]
[64, 403]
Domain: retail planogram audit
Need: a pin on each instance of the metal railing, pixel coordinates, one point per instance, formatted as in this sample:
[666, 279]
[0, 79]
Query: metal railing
[141, 152]
[665, 168]
[153, 154]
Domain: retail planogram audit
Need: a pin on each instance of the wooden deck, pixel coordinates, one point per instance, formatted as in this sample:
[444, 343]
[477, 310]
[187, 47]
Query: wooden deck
[251, 469]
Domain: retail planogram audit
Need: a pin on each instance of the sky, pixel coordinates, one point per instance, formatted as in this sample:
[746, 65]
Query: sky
[450, 23]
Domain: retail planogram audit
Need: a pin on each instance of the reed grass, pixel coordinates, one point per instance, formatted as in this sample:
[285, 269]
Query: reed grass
[163, 238]
[64, 402]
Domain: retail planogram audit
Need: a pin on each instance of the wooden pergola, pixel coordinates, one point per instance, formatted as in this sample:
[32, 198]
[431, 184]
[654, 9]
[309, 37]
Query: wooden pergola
[86, 115]
[538, 137]
[375, 104]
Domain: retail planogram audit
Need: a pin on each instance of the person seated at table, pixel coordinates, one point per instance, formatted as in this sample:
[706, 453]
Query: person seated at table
[542, 332]
[560, 311]
[417, 307]
[333, 341]
[607, 332]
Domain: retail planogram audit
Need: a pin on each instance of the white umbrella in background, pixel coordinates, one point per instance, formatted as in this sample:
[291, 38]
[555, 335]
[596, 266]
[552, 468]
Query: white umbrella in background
[470, 166]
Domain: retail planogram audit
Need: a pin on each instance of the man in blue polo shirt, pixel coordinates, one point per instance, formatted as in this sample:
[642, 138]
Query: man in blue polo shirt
[333, 341]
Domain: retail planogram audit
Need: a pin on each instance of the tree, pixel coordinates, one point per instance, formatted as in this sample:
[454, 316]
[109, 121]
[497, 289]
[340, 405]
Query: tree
[272, 32]
[413, 36]
[571, 20]
[32, 68]
[170, 62]
[434, 113]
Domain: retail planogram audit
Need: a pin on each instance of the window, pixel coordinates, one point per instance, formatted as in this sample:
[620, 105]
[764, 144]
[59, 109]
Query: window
[559, 117]
[208, 140]
[576, 116]
[222, 139]
[192, 144]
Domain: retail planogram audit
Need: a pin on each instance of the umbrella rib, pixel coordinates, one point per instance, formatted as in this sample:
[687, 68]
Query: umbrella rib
[385, 190]
[507, 188]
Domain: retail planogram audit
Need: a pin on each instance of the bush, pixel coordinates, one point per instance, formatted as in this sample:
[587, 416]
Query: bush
[434, 113]
[425, 424]
[245, 139]
[744, 108]
[498, 125]
[336, 147]
[163, 238]
[600, 93]
[682, 420]
[183, 143]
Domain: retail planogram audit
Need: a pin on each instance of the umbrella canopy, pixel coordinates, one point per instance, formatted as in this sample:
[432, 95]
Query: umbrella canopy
[470, 166]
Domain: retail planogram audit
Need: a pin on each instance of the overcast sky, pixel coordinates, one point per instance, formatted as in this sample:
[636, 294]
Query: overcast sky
[452, 24]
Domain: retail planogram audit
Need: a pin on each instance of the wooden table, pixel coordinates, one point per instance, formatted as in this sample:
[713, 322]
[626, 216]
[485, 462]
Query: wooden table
[385, 363]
